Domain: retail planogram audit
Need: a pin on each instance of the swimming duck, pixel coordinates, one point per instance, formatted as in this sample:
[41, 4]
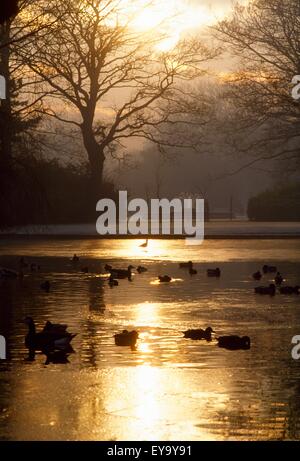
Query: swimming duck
[289, 290]
[199, 334]
[75, 258]
[270, 290]
[45, 286]
[46, 341]
[55, 328]
[257, 275]
[278, 279]
[126, 338]
[112, 282]
[192, 271]
[164, 279]
[269, 269]
[141, 269]
[214, 272]
[9, 273]
[234, 342]
[122, 273]
[187, 265]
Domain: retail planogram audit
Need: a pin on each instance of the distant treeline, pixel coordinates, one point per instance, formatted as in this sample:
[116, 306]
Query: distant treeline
[279, 204]
[46, 192]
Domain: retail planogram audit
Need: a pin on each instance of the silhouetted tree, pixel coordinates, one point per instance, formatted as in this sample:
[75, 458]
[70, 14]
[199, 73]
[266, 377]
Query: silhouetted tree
[265, 119]
[93, 56]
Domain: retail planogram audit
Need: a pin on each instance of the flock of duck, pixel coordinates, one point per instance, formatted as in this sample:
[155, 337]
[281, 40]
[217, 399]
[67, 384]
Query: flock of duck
[55, 339]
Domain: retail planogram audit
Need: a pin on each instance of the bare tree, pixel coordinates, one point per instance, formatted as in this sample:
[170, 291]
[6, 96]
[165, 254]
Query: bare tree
[263, 118]
[110, 75]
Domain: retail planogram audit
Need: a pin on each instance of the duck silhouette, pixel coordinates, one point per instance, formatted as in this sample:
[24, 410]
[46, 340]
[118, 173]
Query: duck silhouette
[269, 269]
[141, 269]
[199, 334]
[188, 265]
[55, 328]
[270, 290]
[192, 271]
[214, 272]
[289, 290]
[257, 275]
[164, 279]
[126, 338]
[55, 337]
[121, 273]
[278, 279]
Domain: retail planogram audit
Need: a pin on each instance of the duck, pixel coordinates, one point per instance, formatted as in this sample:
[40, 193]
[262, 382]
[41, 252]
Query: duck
[45, 286]
[214, 272]
[164, 279]
[75, 258]
[112, 282]
[107, 267]
[289, 290]
[257, 275]
[187, 265]
[46, 341]
[55, 328]
[126, 338]
[278, 279]
[141, 269]
[199, 334]
[234, 342]
[270, 290]
[269, 269]
[192, 271]
[121, 273]
[9, 273]
[145, 244]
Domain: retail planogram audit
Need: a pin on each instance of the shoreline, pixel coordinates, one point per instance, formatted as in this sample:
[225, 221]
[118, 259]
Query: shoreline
[144, 237]
[214, 230]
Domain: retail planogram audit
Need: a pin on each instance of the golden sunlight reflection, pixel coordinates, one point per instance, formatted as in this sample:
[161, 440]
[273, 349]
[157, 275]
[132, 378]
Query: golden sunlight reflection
[148, 408]
[146, 313]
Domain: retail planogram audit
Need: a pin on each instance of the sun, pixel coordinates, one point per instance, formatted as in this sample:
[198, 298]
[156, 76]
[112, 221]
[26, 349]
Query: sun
[172, 19]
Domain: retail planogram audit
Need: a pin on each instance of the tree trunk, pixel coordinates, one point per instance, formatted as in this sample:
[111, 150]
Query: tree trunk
[5, 109]
[96, 158]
